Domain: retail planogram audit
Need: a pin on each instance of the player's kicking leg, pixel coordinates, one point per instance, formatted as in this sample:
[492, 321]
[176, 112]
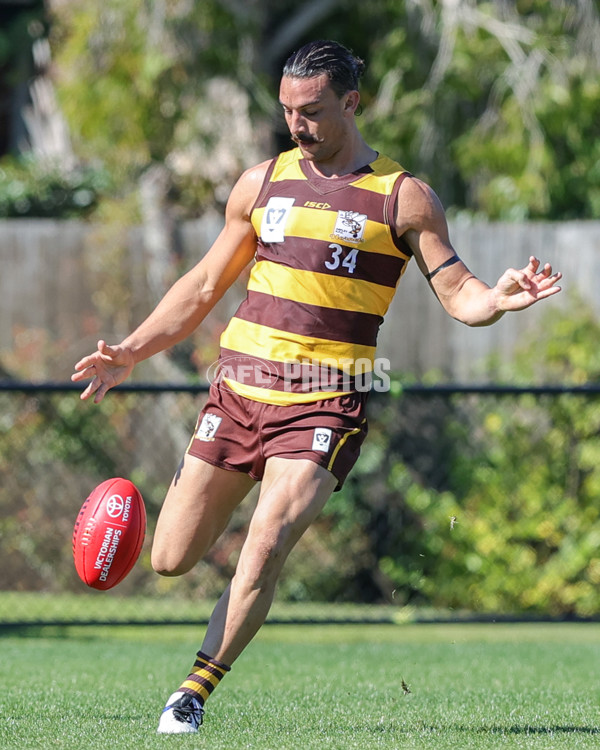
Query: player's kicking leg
[195, 512]
[293, 493]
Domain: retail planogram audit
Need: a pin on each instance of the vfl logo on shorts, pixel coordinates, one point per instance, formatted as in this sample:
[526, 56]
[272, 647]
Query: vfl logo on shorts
[321, 439]
[208, 427]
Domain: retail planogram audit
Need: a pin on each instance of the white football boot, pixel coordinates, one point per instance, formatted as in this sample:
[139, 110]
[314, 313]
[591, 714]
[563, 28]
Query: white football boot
[182, 715]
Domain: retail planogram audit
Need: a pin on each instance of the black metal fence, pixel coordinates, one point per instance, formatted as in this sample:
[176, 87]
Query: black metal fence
[381, 541]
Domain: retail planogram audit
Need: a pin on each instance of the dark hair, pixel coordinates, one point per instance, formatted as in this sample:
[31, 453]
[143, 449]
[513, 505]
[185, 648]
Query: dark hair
[341, 66]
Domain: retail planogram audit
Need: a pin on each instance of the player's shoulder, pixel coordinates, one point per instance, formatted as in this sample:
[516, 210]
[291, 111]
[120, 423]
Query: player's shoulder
[253, 177]
[418, 202]
[414, 188]
[247, 189]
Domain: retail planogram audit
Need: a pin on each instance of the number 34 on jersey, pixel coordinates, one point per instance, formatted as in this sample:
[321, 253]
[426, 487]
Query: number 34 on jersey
[337, 259]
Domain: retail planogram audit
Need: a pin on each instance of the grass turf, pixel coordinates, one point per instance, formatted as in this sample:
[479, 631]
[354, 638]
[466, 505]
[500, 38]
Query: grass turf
[325, 687]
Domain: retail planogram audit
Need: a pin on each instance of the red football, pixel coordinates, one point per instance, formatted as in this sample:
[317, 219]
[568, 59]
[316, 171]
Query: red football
[109, 533]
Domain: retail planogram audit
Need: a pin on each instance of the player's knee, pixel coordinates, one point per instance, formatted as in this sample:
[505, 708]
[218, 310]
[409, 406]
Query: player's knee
[169, 565]
[260, 569]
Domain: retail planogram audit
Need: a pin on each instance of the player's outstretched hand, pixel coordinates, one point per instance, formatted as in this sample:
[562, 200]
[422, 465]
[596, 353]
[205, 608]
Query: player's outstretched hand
[517, 290]
[108, 366]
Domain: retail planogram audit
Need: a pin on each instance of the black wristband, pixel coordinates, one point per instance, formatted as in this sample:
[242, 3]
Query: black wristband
[450, 262]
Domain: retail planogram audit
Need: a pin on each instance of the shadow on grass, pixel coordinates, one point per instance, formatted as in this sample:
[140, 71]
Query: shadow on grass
[516, 729]
[504, 731]
[527, 729]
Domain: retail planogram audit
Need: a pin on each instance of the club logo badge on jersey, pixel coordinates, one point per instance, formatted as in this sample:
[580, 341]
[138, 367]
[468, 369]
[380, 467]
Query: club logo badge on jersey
[350, 226]
[321, 439]
[274, 219]
[208, 427]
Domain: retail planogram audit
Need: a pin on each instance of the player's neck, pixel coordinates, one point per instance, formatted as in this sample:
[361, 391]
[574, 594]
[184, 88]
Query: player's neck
[346, 161]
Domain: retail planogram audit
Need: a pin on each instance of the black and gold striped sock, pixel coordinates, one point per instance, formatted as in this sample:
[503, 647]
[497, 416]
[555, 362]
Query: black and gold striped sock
[204, 677]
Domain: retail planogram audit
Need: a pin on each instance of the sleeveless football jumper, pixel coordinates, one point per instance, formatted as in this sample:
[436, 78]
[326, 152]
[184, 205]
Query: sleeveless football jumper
[327, 264]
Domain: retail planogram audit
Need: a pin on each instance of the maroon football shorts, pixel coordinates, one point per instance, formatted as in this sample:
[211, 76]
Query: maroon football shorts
[240, 434]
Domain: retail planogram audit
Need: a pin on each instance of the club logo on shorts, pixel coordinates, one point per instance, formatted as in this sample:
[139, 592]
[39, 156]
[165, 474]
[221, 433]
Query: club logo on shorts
[321, 439]
[208, 427]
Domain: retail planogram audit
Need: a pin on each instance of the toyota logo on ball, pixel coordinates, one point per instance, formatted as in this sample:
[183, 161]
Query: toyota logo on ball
[115, 505]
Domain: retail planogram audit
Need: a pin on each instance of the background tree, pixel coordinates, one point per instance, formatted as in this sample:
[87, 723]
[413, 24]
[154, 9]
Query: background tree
[496, 104]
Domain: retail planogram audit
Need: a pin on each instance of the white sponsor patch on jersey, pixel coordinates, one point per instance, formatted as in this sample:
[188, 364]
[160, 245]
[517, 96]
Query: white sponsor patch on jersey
[275, 216]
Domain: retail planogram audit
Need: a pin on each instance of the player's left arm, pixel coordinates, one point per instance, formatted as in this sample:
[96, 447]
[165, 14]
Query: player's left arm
[421, 221]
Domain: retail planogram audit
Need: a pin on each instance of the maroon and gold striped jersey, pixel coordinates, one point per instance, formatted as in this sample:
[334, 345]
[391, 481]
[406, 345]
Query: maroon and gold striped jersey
[326, 269]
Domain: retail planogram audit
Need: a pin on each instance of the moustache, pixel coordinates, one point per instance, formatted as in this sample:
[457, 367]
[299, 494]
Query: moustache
[306, 138]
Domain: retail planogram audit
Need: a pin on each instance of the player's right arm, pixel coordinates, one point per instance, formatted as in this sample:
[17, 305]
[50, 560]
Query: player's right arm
[188, 301]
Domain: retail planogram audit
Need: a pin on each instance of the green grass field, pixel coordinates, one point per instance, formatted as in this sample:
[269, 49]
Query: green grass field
[304, 687]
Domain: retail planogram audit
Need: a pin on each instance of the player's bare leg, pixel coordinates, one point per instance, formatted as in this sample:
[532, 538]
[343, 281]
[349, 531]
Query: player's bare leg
[195, 512]
[198, 506]
[293, 493]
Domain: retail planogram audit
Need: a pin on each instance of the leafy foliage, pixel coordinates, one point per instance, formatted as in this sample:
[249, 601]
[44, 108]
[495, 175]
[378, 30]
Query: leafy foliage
[29, 188]
[133, 79]
[495, 104]
[485, 504]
